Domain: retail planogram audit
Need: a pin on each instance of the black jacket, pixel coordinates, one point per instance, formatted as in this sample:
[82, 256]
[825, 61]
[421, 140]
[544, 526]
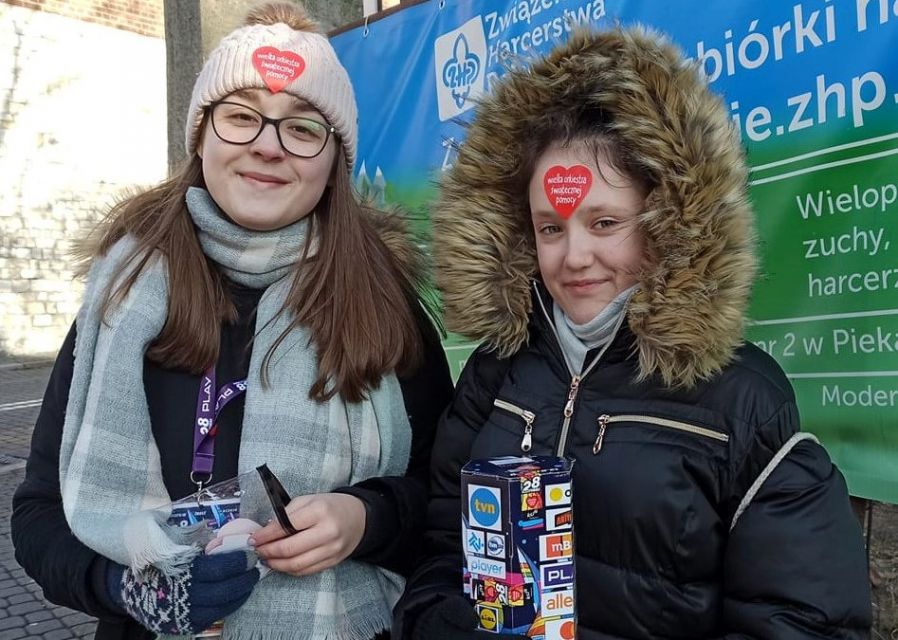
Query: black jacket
[652, 508]
[72, 575]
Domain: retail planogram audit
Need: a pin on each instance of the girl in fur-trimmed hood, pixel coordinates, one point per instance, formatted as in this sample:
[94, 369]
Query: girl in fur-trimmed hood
[596, 237]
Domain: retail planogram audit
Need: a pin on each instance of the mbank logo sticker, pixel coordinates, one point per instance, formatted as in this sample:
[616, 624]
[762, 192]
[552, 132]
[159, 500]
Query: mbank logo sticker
[556, 546]
[484, 507]
[459, 64]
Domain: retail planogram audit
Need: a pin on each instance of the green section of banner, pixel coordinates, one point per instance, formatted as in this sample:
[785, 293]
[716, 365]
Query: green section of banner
[826, 304]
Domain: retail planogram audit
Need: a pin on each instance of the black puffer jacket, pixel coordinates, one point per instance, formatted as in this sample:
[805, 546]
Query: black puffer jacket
[655, 556]
[678, 417]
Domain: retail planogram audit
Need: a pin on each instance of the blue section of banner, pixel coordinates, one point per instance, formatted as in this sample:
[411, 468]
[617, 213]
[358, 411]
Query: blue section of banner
[790, 72]
[811, 86]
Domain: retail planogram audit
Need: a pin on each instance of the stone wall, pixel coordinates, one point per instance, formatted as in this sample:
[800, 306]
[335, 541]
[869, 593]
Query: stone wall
[82, 120]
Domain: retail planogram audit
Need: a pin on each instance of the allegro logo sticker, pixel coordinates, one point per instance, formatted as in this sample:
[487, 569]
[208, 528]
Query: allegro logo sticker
[556, 546]
[557, 603]
[484, 507]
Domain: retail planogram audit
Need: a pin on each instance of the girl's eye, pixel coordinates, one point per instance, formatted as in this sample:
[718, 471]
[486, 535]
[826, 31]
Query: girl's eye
[549, 229]
[604, 223]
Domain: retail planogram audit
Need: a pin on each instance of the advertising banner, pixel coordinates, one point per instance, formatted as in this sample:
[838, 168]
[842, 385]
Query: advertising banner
[811, 85]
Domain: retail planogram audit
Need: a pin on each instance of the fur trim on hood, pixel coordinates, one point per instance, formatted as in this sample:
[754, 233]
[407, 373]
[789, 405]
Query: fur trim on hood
[688, 316]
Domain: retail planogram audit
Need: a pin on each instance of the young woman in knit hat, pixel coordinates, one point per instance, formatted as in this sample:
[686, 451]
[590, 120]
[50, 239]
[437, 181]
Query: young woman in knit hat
[252, 268]
[595, 235]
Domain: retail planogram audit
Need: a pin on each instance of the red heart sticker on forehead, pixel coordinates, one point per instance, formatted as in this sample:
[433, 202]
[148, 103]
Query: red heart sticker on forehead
[566, 187]
[278, 68]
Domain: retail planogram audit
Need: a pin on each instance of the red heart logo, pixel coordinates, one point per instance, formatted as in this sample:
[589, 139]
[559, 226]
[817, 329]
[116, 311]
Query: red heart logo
[566, 187]
[278, 68]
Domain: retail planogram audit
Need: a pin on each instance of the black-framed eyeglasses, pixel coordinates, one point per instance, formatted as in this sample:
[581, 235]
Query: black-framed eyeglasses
[237, 123]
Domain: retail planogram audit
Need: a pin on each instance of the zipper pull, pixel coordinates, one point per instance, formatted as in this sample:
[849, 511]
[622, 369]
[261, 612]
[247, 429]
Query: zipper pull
[603, 424]
[527, 441]
[572, 394]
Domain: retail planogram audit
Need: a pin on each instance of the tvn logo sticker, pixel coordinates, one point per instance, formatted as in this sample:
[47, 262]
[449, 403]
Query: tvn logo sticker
[559, 519]
[560, 574]
[484, 507]
[474, 542]
[557, 603]
[556, 546]
[558, 495]
[460, 58]
[560, 630]
[486, 567]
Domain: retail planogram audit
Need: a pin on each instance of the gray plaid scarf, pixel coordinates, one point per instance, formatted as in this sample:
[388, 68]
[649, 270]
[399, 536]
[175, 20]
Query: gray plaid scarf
[110, 471]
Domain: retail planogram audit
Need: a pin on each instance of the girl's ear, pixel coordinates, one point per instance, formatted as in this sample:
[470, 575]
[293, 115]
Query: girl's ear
[200, 141]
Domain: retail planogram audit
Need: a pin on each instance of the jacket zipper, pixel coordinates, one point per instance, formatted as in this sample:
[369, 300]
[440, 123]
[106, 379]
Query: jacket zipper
[528, 416]
[604, 420]
[575, 378]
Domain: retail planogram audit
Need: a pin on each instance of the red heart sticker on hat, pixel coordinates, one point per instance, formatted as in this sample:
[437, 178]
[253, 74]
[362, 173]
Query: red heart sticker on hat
[278, 68]
[566, 187]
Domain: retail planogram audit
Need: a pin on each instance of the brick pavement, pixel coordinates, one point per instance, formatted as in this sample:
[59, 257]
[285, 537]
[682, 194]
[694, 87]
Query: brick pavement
[23, 611]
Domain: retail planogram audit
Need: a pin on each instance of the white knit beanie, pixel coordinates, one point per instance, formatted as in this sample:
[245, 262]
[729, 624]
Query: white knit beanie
[290, 56]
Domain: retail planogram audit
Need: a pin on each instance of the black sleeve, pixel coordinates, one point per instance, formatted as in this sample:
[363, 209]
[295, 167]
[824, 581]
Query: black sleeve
[795, 566]
[396, 505]
[439, 573]
[69, 573]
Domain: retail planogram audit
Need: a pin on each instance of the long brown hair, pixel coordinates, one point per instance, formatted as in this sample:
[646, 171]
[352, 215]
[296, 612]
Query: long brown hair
[355, 298]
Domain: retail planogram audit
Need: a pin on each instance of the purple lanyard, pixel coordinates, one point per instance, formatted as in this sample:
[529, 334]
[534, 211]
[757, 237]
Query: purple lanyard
[206, 425]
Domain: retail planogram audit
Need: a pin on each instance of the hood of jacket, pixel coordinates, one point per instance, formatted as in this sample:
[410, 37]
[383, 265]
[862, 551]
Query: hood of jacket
[688, 316]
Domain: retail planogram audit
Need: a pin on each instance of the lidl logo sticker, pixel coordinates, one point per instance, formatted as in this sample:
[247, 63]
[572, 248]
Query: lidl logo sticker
[490, 617]
[484, 507]
[556, 546]
[460, 58]
[558, 495]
